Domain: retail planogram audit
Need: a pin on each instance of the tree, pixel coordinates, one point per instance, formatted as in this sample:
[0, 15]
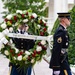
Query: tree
[37, 6]
[71, 30]
[56, 24]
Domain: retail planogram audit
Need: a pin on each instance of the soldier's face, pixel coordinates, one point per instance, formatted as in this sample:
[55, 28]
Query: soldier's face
[21, 27]
[26, 28]
[67, 21]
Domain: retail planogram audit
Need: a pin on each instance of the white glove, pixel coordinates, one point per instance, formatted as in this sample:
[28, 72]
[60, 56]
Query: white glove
[56, 72]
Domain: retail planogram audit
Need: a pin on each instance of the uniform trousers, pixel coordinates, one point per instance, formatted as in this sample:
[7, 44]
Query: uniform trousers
[14, 71]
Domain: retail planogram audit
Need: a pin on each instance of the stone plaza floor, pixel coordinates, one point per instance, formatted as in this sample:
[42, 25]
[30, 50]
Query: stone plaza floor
[40, 68]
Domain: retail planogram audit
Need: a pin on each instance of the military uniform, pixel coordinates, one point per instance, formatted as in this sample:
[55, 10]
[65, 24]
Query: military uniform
[59, 59]
[22, 44]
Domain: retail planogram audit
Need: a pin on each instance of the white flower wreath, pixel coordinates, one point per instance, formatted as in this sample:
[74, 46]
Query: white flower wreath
[37, 26]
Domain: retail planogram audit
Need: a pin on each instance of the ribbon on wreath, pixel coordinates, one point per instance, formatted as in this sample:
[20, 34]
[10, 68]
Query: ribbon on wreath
[49, 38]
[14, 35]
[35, 37]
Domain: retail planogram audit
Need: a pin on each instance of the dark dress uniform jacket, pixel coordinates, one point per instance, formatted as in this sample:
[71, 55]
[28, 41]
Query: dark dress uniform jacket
[59, 59]
[23, 44]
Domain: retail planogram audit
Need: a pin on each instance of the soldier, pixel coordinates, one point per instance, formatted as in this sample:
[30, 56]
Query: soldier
[59, 59]
[22, 44]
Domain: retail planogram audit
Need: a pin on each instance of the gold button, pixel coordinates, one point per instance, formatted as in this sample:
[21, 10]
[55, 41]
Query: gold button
[21, 46]
[21, 43]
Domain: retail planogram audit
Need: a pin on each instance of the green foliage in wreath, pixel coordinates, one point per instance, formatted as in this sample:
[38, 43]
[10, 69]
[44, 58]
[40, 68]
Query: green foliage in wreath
[37, 26]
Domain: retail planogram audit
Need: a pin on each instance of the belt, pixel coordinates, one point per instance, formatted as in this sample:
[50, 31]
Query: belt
[64, 50]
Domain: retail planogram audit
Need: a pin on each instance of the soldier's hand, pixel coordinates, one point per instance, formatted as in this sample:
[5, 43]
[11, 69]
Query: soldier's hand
[56, 72]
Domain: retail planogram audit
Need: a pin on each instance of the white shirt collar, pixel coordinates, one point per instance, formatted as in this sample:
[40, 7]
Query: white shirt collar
[20, 30]
[65, 27]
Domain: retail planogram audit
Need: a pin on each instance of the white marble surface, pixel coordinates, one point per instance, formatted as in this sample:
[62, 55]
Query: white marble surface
[41, 68]
[3, 65]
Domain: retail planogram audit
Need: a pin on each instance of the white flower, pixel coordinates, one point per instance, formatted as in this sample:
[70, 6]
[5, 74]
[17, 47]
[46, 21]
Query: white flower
[12, 45]
[14, 58]
[2, 45]
[9, 16]
[33, 3]
[36, 4]
[6, 52]
[38, 48]
[25, 57]
[3, 26]
[19, 58]
[1, 35]
[16, 50]
[43, 42]
[27, 52]
[32, 61]
[11, 41]
[32, 21]
[10, 29]
[19, 11]
[24, 11]
[43, 21]
[16, 24]
[39, 3]
[38, 26]
[34, 15]
[5, 32]
[25, 20]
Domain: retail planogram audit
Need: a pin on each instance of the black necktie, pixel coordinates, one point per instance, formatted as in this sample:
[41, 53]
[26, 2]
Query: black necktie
[21, 32]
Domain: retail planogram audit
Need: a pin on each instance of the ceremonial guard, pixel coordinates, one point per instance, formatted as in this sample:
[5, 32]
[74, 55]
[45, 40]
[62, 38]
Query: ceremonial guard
[23, 45]
[59, 59]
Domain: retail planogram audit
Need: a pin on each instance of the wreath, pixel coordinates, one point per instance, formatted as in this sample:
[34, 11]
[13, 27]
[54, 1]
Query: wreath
[37, 26]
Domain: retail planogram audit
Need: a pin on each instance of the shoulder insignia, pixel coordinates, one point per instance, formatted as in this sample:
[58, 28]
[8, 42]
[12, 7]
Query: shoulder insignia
[59, 40]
